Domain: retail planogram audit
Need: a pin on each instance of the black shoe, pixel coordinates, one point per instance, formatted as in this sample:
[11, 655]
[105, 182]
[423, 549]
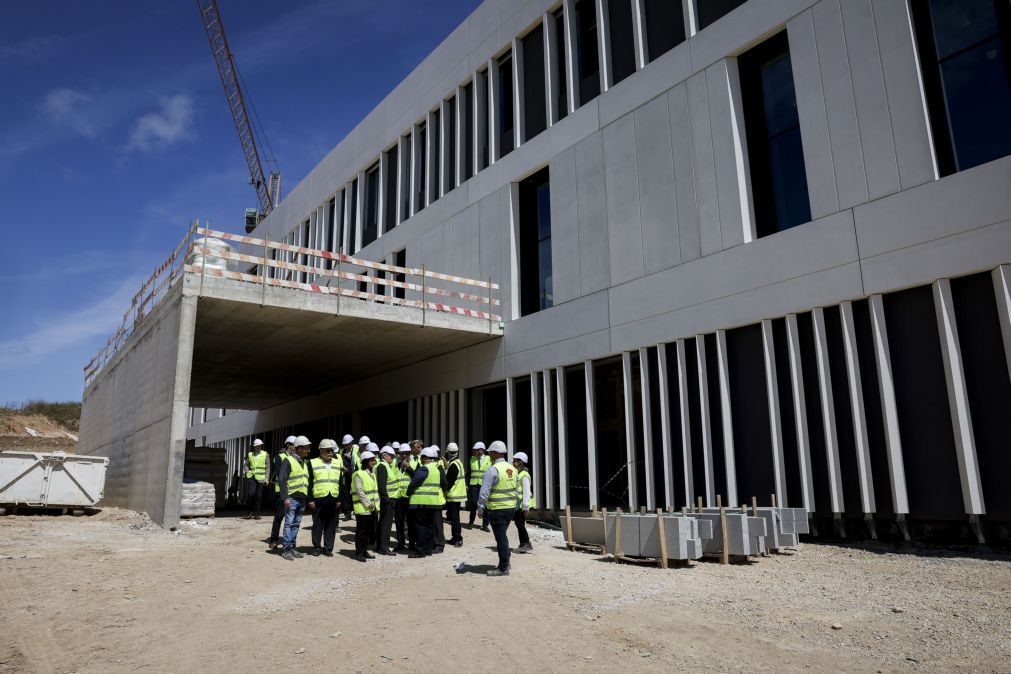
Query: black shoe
[485, 529]
[416, 555]
[297, 554]
[387, 553]
[287, 555]
[328, 553]
[438, 551]
[458, 544]
[316, 552]
[369, 555]
[498, 572]
[401, 548]
[361, 558]
[525, 548]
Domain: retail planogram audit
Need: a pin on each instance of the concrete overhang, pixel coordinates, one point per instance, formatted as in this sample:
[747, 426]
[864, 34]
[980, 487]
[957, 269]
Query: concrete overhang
[255, 347]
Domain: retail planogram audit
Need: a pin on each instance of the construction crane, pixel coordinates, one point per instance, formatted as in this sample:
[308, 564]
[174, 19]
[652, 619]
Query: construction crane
[268, 189]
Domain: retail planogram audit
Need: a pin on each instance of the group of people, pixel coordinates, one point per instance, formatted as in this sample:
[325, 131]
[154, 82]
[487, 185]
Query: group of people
[404, 484]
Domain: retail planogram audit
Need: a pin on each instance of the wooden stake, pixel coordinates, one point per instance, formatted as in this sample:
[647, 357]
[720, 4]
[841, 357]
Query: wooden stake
[662, 560]
[700, 504]
[568, 527]
[724, 553]
[642, 510]
[594, 513]
[773, 500]
[754, 506]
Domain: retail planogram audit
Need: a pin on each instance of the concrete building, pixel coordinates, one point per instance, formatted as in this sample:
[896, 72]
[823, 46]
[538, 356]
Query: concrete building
[745, 248]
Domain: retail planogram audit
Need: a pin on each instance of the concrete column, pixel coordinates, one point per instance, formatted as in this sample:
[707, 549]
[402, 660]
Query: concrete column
[728, 422]
[519, 120]
[443, 420]
[828, 411]
[549, 444]
[639, 28]
[800, 413]
[958, 399]
[399, 217]
[568, 15]
[686, 427]
[346, 241]
[707, 430]
[360, 211]
[562, 418]
[481, 103]
[510, 415]
[511, 303]
[461, 422]
[426, 420]
[691, 17]
[415, 174]
[384, 162]
[451, 428]
[856, 390]
[431, 180]
[663, 379]
[494, 123]
[458, 134]
[550, 67]
[889, 410]
[630, 449]
[444, 180]
[411, 423]
[647, 428]
[537, 460]
[604, 44]
[1002, 292]
[591, 431]
[775, 420]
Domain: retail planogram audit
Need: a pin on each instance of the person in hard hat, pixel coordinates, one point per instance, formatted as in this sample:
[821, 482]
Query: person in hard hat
[524, 500]
[416, 447]
[279, 510]
[256, 479]
[325, 502]
[404, 530]
[456, 494]
[425, 492]
[348, 457]
[498, 496]
[479, 463]
[440, 523]
[295, 480]
[363, 445]
[365, 498]
[388, 485]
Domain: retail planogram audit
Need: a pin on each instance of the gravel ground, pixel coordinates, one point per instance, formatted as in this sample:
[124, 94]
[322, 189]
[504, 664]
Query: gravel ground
[113, 592]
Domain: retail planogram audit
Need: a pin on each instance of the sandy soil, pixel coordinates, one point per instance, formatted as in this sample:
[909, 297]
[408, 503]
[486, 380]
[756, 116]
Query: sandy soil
[112, 592]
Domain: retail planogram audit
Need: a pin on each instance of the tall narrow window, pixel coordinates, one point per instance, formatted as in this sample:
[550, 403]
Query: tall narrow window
[353, 219]
[400, 260]
[305, 243]
[436, 132]
[370, 231]
[965, 54]
[711, 10]
[332, 230]
[390, 180]
[535, 243]
[778, 177]
[587, 62]
[467, 130]
[665, 27]
[450, 179]
[483, 116]
[535, 113]
[405, 179]
[619, 18]
[419, 169]
[506, 134]
[561, 74]
[339, 222]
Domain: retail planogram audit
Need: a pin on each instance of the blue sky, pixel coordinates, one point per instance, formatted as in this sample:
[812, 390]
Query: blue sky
[114, 134]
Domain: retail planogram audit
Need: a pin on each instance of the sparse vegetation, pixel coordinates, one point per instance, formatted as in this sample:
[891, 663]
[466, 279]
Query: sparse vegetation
[66, 414]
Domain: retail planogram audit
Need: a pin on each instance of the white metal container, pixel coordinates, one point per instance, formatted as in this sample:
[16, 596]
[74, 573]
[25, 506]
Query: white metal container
[52, 479]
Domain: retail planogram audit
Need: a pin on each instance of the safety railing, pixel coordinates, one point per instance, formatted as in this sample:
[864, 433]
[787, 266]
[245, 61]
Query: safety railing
[315, 270]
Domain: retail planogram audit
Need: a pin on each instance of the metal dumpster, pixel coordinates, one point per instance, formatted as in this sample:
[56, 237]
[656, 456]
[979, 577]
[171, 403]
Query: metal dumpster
[51, 479]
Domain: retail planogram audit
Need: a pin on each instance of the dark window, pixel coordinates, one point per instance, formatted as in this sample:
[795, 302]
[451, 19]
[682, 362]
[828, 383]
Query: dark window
[305, 243]
[619, 18]
[483, 127]
[965, 53]
[467, 131]
[665, 27]
[535, 116]
[332, 230]
[588, 72]
[506, 136]
[436, 132]
[711, 10]
[778, 177]
[353, 218]
[400, 260]
[561, 76]
[370, 232]
[419, 170]
[390, 180]
[405, 177]
[535, 243]
[339, 207]
[450, 144]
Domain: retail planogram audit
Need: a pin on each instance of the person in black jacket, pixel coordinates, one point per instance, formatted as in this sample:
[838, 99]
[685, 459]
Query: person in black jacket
[423, 505]
[387, 483]
[275, 527]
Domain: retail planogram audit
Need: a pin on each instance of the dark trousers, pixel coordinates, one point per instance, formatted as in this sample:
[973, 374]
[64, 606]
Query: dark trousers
[386, 508]
[424, 529]
[275, 528]
[440, 531]
[254, 495]
[499, 525]
[473, 492]
[521, 526]
[346, 496]
[453, 515]
[401, 517]
[412, 528]
[365, 530]
[324, 523]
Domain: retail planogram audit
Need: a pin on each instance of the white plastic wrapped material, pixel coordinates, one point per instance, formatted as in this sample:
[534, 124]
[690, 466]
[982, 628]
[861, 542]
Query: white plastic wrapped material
[197, 499]
[213, 261]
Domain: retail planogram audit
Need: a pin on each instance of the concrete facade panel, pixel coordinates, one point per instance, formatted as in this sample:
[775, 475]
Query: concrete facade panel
[684, 173]
[725, 155]
[704, 166]
[624, 228]
[564, 227]
[655, 171]
[591, 211]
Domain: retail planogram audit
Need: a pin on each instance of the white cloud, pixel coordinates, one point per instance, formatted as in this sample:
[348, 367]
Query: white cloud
[173, 123]
[71, 108]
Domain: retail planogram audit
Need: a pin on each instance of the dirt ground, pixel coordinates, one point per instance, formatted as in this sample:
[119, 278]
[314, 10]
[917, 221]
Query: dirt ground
[112, 592]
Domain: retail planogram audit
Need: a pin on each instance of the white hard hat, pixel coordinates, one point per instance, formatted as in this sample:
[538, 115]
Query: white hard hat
[302, 441]
[364, 440]
[522, 456]
[395, 445]
[405, 448]
[348, 439]
[327, 444]
[436, 448]
[258, 443]
[499, 447]
[372, 447]
[290, 440]
[452, 448]
[366, 456]
[478, 445]
[387, 450]
[430, 452]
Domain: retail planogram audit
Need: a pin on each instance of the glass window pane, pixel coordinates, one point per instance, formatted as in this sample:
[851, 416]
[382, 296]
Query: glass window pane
[978, 101]
[546, 293]
[665, 26]
[961, 23]
[779, 98]
[711, 10]
[789, 180]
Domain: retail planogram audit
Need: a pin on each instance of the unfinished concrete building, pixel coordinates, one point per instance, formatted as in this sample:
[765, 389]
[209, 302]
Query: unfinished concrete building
[741, 248]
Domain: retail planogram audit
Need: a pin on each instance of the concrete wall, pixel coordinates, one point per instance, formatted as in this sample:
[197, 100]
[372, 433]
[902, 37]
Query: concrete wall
[136, 412]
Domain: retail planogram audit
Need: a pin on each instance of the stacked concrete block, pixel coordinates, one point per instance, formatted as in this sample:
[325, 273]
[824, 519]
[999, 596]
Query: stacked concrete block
[681, 536]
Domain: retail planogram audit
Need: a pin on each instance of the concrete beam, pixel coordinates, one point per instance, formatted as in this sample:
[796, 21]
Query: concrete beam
[828, 411]
[730, 462]
[563, 438]
[775, 419]
[800, 413]
[707, 432]
[591, 431]
[647, 428]
[630, 448]
[855, 384]
[663, 379]
[686, 426]
[889, 409]
[549, 444]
